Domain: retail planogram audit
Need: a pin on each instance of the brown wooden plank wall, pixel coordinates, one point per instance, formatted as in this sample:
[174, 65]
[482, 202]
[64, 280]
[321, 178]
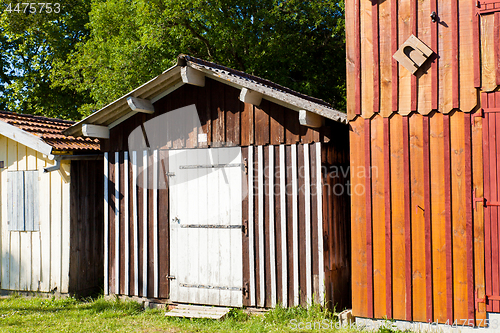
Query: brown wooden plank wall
[140, 253]
[225, 120]
[310, 243]
[429, 244]
[466, 56]
[86, 227]
[491, 144]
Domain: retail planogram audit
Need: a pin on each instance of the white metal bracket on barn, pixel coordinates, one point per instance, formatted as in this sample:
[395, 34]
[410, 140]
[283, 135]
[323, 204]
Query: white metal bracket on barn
[205, 226]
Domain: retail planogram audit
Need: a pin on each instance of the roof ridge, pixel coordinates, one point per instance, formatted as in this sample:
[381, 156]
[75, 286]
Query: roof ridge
[25, 115]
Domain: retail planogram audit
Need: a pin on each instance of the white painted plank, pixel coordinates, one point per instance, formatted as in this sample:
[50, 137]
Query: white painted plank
[24, 238]
[307, 208]
[5, 190]
[126, 230]
[204, 241]
[174, 283]
[284, 257]
[295, 222]
[224, 182]
[15, 238]
[145, 224]
[117, 222]
[183, 215]
[272, 233]
[13, 241]
[251, 223]
[56, 226]
[65, 232]
[25, 139]
[189, 215]
[235, 195]
[106, 224]
[213, 213]
[319, 195]
[136, 223]
[155, 220]
[262, 256]
[36, 236]
[45, 227]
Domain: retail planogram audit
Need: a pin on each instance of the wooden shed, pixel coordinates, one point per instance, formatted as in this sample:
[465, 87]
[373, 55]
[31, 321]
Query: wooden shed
[51, 242]
[220, 191]
[424, 115]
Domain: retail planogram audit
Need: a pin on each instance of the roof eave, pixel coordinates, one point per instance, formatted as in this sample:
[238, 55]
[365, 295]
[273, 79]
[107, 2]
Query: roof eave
[118, 109]
[26, 139]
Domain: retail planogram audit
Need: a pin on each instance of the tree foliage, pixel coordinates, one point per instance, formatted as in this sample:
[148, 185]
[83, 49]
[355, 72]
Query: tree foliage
[30, 45]
[299, 44]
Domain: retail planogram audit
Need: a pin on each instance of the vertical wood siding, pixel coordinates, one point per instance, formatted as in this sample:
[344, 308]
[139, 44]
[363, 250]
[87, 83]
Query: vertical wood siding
[435, 238]
[86, 227]
[466, 56]
[39, 260]
[297, 248]
[138, 184]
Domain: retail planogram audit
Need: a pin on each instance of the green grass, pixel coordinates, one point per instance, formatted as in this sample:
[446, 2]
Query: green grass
[19, 314]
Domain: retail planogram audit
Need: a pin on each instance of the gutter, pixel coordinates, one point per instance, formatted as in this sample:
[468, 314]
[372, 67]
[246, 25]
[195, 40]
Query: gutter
[59, 158]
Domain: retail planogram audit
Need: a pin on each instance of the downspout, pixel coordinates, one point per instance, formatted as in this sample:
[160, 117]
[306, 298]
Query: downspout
[54, 167]
[59, 158]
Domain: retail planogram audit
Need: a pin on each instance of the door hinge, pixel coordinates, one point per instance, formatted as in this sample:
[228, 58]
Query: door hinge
[244, 227]
[485, 299]
[245, 164]
[170, 174]
[246, 290]
[485, 201]
[170, 277]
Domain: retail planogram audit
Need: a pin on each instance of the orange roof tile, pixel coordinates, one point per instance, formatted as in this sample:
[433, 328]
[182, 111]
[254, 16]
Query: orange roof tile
[49, 130]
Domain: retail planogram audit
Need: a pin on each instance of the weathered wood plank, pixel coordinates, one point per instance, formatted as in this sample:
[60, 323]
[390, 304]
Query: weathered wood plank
[445, 51]
[424, 82]
[378, 203]
[351, 58]
[459, 231]
[271, 230]
[386, 75]
[260, 208]
[367, 65]
[468, 93]
[488, 65]
[404, 31]
[251, 223]
[295, 225]
[478, 215]
[418, 269]
[436, 152]
[358, 225]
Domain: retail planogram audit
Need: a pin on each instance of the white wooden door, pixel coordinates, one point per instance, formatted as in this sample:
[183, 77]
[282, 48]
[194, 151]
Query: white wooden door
[205, 226]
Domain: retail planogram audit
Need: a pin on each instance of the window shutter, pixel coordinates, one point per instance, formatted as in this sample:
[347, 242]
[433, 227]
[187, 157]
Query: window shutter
[31, 201]
[15, 200]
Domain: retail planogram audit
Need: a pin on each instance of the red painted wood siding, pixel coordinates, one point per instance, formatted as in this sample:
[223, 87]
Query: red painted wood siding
[466, 56]
[413, 225]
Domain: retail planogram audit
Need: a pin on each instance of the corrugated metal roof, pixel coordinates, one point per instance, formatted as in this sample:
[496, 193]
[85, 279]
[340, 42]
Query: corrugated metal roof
[169, 80]
[49, 130]
[258, 80]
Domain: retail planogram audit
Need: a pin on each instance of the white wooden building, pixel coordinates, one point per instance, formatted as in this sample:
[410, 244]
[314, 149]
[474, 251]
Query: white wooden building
[41, 235]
